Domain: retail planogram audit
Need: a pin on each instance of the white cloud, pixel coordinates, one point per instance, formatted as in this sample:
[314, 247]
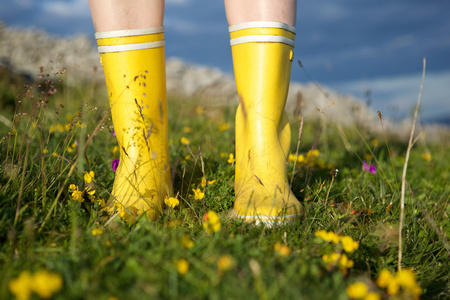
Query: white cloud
[67, 9]
[398, 95]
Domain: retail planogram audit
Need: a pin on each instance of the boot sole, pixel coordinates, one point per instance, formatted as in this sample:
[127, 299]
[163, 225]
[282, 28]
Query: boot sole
[268, 221]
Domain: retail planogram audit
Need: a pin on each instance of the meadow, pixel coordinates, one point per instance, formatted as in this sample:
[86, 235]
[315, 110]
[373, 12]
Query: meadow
[57, 148]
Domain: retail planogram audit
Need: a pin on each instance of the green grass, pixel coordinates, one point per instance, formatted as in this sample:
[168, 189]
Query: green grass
[42, 228]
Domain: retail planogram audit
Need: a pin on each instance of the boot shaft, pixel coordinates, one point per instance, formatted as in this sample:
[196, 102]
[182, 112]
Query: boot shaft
[262, 59]
[134, 67]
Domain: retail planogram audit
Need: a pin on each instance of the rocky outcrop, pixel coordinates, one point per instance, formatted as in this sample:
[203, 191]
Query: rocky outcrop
[36, 54]
[26, 51]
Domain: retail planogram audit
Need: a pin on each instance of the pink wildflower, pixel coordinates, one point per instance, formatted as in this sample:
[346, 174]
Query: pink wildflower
[369, 168]
[115, 164]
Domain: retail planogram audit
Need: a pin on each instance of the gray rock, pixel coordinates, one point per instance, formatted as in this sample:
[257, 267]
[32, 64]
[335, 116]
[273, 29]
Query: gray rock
[36, 54]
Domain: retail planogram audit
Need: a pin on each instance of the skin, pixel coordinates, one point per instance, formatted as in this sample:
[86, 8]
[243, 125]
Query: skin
[109, 15]
[239, 11]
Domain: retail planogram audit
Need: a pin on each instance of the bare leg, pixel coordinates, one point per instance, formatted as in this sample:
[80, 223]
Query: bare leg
[240, 11]
[109, 15]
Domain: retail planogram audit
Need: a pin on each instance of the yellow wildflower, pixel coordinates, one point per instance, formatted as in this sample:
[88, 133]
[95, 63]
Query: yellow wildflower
[187, 242]
[185, 141]
[45, 283]
[90, 193]
[372, 296]
[416, 290]
[115, 149]
[231, 159]
[200, 110]
[198, 194]
[89, 176]
[337, 259]
[407, 279]
[172, 202]
[385, 278]
[44, 151]
[344, 262]
[393, 287]
[182, 266]
[211, 182]
[54, 154]
[60, 128]
[225, 262]
[427, 156]
[300, 158]
[224, 127]
[292, 158]
[80, 124]
[187, 129]
[203, 181]
[97, 231]
[101, 202]
[321, 234]
[124, 213]
[20, 287]
[76, 194]
[211, 222]
[282, 249]
[329, 259]
[349, 244]
[312, 153]
[328, 236]
[357, 290]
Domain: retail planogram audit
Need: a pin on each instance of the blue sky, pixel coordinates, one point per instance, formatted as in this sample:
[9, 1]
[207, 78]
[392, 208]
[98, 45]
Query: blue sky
[348, 45]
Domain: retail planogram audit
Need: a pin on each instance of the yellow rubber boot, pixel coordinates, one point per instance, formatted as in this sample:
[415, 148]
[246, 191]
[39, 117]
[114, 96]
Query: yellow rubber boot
[262, 58]
[134, 66]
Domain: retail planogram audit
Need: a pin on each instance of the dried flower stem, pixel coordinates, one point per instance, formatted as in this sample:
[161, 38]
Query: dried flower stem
[300, 132]
[405, 167]
[333, 174]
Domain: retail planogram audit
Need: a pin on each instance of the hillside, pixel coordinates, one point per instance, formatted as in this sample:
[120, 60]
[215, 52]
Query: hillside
[26, 51]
